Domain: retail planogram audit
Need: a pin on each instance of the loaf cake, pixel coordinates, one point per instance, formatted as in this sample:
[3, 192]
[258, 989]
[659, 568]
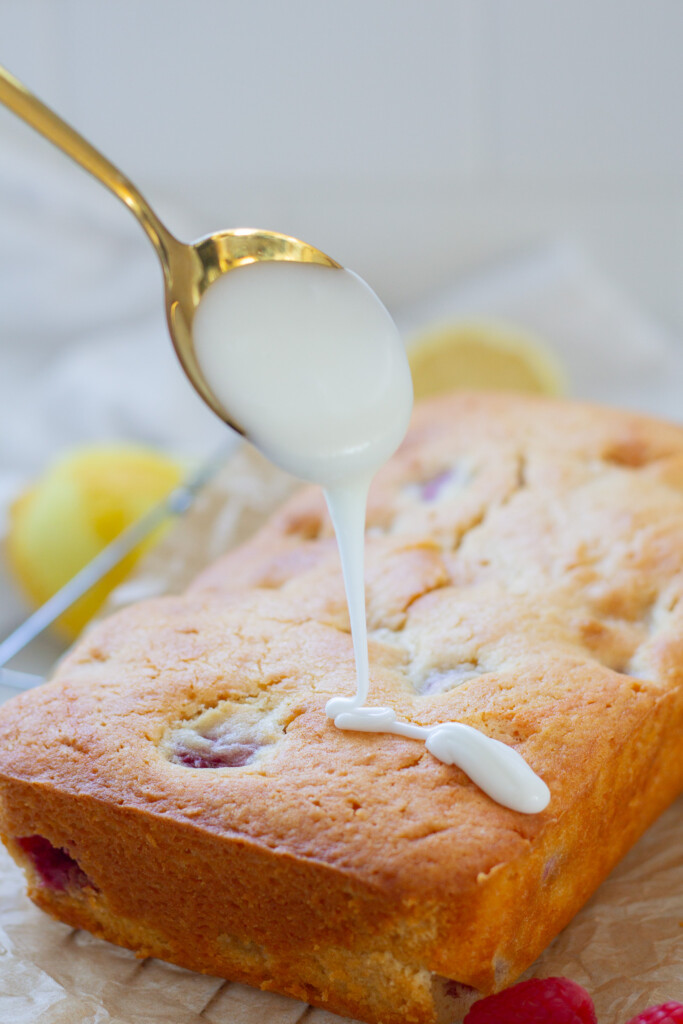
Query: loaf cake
[178, 789]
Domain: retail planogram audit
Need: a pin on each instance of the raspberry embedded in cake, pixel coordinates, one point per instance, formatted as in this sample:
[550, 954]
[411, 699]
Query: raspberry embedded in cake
[550, 869]
[444, 483]
[431, 489]
[214, 753]
[56, 869]
[231, 735]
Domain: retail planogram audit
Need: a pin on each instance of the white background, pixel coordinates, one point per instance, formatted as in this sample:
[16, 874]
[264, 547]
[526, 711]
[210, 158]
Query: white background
[409, 139]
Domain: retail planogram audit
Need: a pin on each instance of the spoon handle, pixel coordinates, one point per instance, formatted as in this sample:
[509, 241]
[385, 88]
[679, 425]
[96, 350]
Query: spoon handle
[22, 102]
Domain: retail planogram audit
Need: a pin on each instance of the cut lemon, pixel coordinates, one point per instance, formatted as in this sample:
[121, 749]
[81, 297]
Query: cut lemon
[75, 509]
[481, 354]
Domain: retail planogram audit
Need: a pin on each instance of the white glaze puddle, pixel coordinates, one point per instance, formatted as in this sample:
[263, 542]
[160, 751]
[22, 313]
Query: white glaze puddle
[308, 361]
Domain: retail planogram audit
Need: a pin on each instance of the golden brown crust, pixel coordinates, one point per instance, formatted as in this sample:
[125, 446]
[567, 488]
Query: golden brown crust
[535, 547]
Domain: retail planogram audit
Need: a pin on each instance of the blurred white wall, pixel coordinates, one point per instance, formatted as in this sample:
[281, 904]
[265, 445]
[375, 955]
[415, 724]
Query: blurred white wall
[410, 140]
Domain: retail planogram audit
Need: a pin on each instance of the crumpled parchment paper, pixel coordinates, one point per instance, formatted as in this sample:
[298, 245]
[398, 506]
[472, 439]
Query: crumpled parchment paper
[625, 946]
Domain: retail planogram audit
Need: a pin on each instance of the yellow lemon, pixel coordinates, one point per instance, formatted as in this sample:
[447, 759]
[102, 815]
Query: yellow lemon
[481, 354]
[74, 510]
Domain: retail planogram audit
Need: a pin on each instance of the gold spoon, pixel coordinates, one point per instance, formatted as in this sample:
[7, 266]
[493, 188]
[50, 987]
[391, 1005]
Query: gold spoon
[188, 269]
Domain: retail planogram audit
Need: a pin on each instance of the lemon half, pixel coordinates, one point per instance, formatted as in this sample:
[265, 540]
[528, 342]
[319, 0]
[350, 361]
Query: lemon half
[482, 354]
[82, 502]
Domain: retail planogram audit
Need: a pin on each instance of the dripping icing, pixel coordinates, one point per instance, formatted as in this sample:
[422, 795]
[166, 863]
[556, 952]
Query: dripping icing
[315, 371]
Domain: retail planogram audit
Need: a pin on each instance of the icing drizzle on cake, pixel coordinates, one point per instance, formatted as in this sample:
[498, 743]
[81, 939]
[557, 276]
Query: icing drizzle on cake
[309, 362]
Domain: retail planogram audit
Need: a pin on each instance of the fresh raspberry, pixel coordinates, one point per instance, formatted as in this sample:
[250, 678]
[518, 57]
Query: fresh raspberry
[667, 1013]
[539, 1001]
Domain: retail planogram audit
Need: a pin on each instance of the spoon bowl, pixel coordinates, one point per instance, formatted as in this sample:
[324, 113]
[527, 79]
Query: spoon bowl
[188, 268]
